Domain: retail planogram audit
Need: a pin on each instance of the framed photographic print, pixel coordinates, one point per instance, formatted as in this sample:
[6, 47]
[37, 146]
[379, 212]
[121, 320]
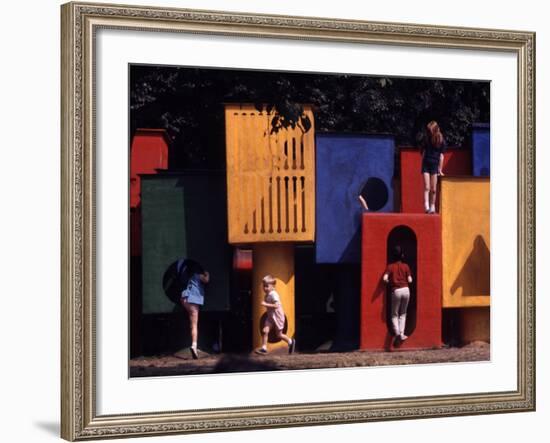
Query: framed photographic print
[281, 221]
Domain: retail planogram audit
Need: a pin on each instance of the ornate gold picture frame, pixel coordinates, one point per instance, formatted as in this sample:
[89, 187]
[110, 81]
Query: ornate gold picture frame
[80, 23]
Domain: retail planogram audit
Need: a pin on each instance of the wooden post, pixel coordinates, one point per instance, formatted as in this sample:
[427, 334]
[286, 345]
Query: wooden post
[475, 325]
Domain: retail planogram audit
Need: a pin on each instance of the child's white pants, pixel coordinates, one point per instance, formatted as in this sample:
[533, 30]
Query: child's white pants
[399, 303]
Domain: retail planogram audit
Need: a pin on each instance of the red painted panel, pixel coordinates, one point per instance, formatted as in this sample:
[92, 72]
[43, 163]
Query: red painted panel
[149, 152]
[455, 162]
[242, 259]
[376, 229]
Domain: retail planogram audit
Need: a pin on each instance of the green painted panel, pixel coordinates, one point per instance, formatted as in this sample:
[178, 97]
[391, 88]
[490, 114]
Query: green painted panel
[184, 215]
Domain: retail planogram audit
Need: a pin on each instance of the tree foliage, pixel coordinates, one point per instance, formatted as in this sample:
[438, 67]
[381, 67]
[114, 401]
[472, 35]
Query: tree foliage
[188, 103]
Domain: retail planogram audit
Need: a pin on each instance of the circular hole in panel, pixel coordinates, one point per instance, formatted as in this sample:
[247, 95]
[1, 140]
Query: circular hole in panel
[375, 192]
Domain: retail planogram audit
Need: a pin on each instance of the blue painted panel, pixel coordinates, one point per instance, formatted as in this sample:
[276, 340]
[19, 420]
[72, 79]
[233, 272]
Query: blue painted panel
[344, 163]
[481, 147]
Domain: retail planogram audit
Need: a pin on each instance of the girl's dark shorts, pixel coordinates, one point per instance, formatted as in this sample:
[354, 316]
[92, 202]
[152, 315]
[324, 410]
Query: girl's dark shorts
[430, 166]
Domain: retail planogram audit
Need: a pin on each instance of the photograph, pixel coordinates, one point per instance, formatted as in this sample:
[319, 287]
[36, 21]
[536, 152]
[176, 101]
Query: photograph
[304, 220]
[274, 221]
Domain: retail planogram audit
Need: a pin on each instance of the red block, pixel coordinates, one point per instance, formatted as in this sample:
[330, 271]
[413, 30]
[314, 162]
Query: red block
[420, 237]
[149, 152]
[242, 260]
[455, 162]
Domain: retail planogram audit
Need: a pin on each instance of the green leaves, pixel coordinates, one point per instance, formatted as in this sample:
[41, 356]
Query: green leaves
[305, 122]
[188, 103]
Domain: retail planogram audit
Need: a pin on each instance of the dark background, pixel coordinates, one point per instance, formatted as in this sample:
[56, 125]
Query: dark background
[188, 103]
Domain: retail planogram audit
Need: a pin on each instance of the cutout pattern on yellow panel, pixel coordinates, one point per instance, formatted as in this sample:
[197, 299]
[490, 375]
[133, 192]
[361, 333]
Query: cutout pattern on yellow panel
[270, 177]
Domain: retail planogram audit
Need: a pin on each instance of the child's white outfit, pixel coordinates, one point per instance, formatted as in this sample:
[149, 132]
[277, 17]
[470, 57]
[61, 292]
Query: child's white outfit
[275, 317]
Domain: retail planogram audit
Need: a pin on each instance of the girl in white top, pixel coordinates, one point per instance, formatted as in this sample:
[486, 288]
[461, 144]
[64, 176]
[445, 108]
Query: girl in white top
[275, 316]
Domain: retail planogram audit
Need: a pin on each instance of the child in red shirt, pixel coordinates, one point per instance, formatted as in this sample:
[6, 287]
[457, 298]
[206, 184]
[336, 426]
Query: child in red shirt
[398, 276]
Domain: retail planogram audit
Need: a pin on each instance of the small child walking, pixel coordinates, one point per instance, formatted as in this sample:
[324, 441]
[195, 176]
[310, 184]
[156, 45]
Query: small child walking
[275, 316]
[398, 276]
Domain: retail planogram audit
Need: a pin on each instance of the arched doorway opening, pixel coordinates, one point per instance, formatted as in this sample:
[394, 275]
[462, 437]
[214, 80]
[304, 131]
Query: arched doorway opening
[404, 237]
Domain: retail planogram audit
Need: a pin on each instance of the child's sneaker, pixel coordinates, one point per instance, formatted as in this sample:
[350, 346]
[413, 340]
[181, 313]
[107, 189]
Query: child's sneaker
[194, 353]
[403, 337]
[292, 346]
[261, 351]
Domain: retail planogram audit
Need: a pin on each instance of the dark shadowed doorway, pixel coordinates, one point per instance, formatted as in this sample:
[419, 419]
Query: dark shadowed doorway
[404, 237]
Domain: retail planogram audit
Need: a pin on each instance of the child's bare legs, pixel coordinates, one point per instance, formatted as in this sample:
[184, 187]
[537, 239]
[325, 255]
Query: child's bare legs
[284, 337]
[265, 333]
[289, 341]
[193, 312]
[426, 191]
[433, 190]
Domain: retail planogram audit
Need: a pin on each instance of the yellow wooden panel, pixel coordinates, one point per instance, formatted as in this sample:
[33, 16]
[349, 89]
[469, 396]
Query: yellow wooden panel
[270, 178]
[465, 204]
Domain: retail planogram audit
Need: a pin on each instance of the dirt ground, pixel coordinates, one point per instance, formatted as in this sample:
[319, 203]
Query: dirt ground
[181, 362]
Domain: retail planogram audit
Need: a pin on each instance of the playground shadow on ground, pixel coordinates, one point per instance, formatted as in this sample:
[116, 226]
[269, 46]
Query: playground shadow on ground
[242, 363]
